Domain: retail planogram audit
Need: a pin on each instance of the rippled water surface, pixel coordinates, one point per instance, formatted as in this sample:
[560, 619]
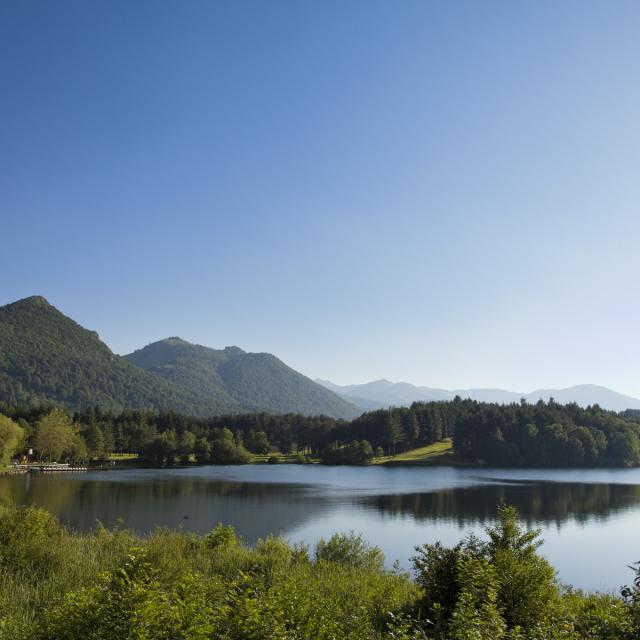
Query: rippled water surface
[590, 518]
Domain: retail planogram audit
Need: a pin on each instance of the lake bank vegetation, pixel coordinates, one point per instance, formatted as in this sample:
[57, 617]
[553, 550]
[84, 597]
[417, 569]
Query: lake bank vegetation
[171, 585]
[545, 434]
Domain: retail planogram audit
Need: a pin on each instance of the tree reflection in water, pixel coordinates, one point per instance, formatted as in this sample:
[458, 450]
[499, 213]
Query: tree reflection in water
[257, 507]
[538, 502]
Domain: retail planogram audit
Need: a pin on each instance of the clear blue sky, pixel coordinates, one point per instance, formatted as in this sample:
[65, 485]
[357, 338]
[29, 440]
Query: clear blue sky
[441, 192]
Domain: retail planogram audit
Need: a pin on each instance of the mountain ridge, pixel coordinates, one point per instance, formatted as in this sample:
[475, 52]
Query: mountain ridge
[254, 380]
[386, 393]
[48, 358]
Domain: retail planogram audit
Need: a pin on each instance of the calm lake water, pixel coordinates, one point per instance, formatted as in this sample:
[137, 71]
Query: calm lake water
[590, 518]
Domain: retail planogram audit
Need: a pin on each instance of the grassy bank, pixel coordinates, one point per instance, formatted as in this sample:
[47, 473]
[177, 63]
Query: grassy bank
[123, 457]
[439, 453]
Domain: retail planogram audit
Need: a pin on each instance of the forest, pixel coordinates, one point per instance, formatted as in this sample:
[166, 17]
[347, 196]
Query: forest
[46, 357]
[545, 434]
[170, 585]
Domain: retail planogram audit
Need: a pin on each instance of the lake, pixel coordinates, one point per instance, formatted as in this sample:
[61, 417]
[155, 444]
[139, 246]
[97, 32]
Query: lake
[590, 519]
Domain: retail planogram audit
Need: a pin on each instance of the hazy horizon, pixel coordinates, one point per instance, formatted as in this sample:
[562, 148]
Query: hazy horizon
[443, 194]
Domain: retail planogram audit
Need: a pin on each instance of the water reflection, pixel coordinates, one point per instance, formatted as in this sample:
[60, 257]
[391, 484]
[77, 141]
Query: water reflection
[261, 500]
[539, 503]
[192, 503]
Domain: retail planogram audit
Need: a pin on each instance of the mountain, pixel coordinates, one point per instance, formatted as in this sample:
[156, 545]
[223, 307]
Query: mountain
[255, 381]
[47, 358]
[587, 394]
[384, 393]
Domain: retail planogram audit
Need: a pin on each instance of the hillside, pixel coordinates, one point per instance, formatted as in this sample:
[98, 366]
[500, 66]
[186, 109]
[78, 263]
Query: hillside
[256, 381]
[45, 357]
[383, 393]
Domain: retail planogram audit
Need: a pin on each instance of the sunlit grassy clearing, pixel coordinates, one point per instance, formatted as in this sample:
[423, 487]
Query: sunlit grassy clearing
[424, 455]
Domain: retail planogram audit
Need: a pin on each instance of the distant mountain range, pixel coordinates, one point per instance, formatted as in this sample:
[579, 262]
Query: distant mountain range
[382, 393]
[45, 357]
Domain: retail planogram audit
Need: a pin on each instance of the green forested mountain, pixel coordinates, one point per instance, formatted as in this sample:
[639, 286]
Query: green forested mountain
[255, 381]
[45, 357]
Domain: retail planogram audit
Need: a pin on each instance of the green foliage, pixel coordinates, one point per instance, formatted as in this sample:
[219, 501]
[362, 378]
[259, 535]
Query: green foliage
[437, 573]
[527, 590]
[393, 434]
[226, 450]
[29, 540]
[54, 435]
[600, 616]
[633, 592]
[257, 442]
[163, 447]
[349, 550]
[11, 436]
[624, 446]
[202, 450]
[544, 434]
[221, 536]
[172, 586]
[129, 603]
[496, 588]
[186, 445]
[95, 442]
[357, 452]
[475, 615]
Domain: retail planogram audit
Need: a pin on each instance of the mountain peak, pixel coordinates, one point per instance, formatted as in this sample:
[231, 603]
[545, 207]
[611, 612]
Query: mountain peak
[174, 341]
[233, 350]
[32, 301]
[254, 381]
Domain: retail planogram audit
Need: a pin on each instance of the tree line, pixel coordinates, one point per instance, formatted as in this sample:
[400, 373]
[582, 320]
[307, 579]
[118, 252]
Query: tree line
[519, 434]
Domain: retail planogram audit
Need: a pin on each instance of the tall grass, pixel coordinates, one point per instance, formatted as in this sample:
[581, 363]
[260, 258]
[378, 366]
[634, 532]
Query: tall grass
[252, 590]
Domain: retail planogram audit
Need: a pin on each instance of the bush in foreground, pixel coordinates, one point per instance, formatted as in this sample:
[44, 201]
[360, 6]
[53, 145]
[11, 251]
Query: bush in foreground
[55, 584]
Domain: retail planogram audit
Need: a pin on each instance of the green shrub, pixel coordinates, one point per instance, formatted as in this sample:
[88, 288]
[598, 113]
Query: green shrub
[601, 616]
[30, 540]
[349, 550]
[129, 604]
[520, 584]
[221, 536]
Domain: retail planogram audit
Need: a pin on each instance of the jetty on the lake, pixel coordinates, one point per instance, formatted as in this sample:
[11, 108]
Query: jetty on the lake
[50, 468]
